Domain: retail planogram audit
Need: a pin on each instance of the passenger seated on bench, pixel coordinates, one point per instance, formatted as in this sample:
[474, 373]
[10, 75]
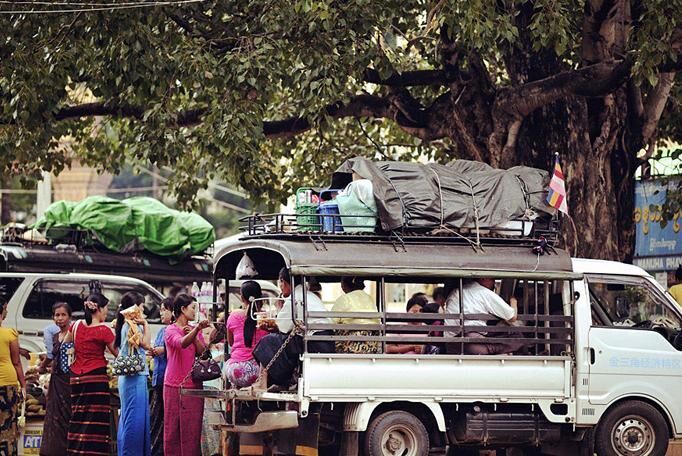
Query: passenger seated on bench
[478, 297]
[285, 364]
[414, 305]
[435, 348]
[355, 299]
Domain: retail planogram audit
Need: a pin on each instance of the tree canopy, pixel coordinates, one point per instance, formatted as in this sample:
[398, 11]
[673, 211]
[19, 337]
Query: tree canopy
[271, 94]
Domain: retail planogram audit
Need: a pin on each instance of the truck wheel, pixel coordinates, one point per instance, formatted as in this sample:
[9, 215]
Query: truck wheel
[396, 433]
[632, 428]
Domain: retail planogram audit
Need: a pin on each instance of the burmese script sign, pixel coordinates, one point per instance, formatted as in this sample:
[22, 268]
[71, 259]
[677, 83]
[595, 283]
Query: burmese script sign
[656, 248]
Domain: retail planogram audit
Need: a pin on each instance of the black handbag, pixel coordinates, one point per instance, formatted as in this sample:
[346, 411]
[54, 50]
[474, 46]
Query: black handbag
[205, 368]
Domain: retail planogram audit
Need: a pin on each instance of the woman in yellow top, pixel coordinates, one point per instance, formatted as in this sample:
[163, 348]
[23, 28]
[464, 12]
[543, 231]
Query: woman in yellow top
[676, 290]
[355, 300]
[11, 377]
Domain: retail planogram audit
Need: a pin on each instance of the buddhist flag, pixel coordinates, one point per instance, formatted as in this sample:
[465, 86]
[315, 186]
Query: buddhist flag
[556, 197]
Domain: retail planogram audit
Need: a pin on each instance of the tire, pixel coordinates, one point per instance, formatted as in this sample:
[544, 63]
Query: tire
[396, 433]
[632, 428]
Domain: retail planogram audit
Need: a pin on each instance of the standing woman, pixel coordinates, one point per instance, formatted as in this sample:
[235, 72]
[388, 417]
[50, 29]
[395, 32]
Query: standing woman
[90, 395]
[58, 410]
[158, 352]
[132, 338]
[11, 374]
[182, 414]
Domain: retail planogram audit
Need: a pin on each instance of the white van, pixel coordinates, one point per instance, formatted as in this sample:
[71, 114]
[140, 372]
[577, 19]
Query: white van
[601, 365]
[31, 296]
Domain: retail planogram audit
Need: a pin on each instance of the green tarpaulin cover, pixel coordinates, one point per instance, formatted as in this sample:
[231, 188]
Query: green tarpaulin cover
[130, 225]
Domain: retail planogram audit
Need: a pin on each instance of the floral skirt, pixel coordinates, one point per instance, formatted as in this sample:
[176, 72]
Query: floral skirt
[357, 346]
[243, 373]
[9, 412]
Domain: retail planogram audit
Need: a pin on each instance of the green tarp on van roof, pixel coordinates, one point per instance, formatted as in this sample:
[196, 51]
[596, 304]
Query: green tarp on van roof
[133, 224]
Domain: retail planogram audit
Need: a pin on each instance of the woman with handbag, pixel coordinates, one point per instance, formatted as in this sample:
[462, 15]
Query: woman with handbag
[58, 407]
[132, 339]
[11, 378]
[183, 414]
[89, 428]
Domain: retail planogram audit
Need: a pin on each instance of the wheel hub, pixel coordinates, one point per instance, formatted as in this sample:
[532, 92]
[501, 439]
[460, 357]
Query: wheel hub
[399, 441]
[633, 436]
[395, 443]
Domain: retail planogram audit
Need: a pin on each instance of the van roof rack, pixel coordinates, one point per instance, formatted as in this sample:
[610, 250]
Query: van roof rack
[71, 239]
[327, 228]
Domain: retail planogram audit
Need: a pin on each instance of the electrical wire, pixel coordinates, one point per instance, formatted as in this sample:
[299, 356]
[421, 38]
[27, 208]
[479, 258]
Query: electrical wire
[107, 7]
[101, 4]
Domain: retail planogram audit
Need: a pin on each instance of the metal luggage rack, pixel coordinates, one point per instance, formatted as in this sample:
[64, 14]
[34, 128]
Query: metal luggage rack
[329, 228]
[24, 236]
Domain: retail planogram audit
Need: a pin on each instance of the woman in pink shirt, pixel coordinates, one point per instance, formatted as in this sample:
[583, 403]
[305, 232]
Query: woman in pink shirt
[182, 414]
[243, 335]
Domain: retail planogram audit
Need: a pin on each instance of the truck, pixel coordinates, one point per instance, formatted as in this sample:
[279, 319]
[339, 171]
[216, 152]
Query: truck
[600, 369]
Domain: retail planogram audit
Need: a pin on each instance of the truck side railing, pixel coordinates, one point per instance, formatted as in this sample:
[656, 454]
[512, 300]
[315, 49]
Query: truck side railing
[537, 334]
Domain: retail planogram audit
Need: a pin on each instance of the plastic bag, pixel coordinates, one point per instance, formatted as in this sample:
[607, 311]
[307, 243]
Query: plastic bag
[246, 269]
[357, 206]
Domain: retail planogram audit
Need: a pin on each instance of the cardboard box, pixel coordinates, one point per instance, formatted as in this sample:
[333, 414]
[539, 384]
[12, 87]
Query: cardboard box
[30, 438]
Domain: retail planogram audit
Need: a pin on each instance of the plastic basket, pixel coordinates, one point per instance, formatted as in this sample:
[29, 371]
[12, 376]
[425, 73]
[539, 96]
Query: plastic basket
[329, 211]
[306, 211]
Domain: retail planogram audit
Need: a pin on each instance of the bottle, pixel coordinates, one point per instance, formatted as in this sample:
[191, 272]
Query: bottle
[196, 290]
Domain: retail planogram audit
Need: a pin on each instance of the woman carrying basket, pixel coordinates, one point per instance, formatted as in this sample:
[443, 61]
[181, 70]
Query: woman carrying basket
[132, 339]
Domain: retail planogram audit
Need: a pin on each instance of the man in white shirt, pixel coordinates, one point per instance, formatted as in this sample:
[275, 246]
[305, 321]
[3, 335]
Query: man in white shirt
[314, 303]
[478, 297]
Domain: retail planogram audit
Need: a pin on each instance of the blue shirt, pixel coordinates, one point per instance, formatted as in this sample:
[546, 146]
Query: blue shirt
[48, 337]
[160, 361]
[124, 349]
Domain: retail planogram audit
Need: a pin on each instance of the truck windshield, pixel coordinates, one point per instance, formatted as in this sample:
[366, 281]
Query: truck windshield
[630, 301]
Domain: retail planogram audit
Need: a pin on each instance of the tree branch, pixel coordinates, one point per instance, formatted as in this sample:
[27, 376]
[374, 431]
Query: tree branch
[593, 80]
[655, 102]
[184, 119]
[407, 79]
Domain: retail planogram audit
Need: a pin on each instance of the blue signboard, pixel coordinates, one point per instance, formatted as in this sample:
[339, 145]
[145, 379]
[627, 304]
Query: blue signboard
[656, 248]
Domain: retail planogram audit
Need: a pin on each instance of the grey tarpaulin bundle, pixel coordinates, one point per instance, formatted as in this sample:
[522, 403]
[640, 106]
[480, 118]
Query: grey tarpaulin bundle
[457, 195]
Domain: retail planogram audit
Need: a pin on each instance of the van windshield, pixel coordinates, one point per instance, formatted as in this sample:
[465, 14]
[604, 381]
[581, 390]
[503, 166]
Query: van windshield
[9, 286]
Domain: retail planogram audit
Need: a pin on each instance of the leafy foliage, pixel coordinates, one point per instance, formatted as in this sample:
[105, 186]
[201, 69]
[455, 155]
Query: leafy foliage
[193, 87]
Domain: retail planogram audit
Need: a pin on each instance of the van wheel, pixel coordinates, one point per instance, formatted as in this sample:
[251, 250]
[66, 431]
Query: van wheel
[632, 428]
[396, 433]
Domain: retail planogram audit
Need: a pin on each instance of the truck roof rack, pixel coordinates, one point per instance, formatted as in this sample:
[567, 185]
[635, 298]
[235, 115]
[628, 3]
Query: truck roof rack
[327, 228]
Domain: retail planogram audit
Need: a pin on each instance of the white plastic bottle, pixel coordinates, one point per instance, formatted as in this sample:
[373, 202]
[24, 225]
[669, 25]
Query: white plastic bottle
[196, 290]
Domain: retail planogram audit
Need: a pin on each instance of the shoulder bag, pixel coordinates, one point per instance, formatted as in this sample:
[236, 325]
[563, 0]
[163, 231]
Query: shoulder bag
[205, 368]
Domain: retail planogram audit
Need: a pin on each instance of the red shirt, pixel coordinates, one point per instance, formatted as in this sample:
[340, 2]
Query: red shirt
[89, 344]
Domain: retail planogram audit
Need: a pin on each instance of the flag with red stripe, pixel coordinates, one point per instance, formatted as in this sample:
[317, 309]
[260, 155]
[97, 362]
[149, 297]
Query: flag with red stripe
[556, 196]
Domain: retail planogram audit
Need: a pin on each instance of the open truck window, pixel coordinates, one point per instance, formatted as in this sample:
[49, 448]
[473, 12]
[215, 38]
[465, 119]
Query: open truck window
[627, 301]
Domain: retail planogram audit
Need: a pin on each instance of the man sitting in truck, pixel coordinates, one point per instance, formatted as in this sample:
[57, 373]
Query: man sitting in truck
[478, 297]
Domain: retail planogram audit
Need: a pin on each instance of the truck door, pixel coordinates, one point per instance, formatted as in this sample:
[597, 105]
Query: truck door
[631, 342]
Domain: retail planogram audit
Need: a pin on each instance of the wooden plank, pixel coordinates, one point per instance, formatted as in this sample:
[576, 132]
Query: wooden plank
[674, 448]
